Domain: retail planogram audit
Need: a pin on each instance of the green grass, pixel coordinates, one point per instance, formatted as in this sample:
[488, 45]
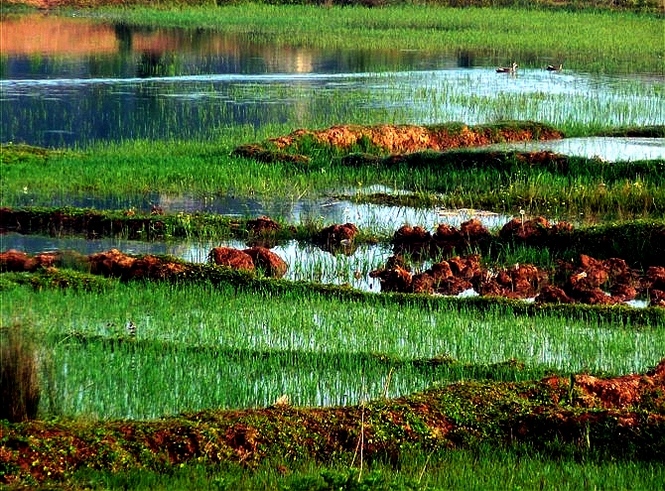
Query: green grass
[586, 39]
[462, 470]
[203, 347]
[119, 175]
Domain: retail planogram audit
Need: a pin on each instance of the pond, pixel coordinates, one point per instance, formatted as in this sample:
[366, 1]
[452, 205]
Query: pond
[67, 82]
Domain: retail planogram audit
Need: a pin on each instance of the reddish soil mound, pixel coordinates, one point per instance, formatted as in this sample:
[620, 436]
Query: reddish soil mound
[232, 258]
[263, 226]
[654, 285]
[257, 152]
[418, 242]
[397, 140]
[13, 260]
[611, 415]
[411, 138]
[250, 259]
[591, 281]
[266, 260]
[337, 238]
[414, 241]
[618, 392]
[535, 231]
[115, 263]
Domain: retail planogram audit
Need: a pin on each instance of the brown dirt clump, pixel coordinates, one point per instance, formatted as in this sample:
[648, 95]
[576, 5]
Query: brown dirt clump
[414, 241]
[535, 231]
[257, 152]
[585, 412]
[266, 260]
[402, 139]
[337, 238]
[263, 232]
[595, 281]
[117, 264]
[232, 258]
[13, 260]
[552, 294]
[263, 225]
[18, 261]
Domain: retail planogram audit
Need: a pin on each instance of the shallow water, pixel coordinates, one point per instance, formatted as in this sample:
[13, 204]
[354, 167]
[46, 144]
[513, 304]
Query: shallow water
[611, 149]
[380, 219]
[306, 261]
[167, 83]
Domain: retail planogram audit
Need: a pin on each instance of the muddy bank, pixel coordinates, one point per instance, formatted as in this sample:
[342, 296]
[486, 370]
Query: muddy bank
[586, 280]
[392, 139]
[621, 417]
[641, 242]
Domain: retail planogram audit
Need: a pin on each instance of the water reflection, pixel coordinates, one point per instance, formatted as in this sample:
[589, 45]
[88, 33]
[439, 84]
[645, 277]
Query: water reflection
[306, 261]
[605, 148]
[377, 218]
[169, 83]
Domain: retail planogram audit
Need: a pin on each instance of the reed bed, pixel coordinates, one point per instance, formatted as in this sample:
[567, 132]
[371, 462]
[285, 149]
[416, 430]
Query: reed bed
[122, 176]
[575, 102]
[200, 346]
[590, 37]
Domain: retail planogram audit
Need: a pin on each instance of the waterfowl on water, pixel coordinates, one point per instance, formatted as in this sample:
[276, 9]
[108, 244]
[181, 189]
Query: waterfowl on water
[553, 68]
[507, 69]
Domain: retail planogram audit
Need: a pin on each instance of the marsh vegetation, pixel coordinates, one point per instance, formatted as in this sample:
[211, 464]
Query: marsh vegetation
[177, 127]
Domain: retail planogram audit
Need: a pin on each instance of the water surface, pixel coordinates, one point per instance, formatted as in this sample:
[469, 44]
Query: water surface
[68, 82]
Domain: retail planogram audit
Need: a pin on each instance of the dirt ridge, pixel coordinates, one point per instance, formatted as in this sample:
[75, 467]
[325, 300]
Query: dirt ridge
[609, 414]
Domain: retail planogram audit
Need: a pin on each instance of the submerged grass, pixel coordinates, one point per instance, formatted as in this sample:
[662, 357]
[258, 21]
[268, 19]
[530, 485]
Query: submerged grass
[199, 346]
[574, 101]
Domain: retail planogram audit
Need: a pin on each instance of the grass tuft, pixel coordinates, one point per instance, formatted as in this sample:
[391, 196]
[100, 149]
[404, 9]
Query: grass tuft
[19, 382]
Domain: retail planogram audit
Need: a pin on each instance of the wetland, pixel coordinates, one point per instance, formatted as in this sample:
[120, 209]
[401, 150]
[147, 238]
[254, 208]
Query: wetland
[443, 257]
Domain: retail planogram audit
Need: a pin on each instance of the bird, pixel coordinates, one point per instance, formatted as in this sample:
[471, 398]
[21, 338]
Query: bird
[131, 329]
[553, 68]
[507, 69]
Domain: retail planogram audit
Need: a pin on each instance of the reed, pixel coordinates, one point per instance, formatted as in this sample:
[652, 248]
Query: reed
[119, 176]
[193, 342]
[578, 104]
[19, 374]
[590, 39]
